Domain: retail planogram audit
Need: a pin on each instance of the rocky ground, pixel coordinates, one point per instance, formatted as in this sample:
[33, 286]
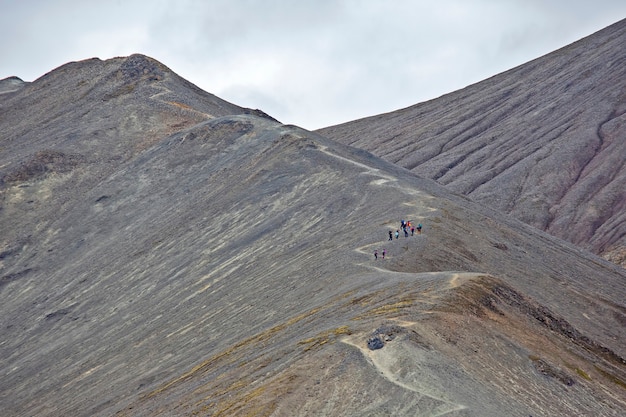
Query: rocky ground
[167, 253]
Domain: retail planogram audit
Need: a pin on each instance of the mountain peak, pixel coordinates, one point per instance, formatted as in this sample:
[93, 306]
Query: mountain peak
[141, 66]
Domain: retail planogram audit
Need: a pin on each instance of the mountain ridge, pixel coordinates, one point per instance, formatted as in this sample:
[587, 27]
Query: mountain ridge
[542, 141]
[160, 259]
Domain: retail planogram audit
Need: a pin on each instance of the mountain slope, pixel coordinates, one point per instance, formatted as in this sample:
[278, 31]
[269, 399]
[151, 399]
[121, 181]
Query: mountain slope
[223, 266]
[80, 122]
[544, 142]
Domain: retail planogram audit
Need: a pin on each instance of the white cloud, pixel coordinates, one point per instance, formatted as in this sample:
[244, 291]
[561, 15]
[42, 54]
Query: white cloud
[307, 63]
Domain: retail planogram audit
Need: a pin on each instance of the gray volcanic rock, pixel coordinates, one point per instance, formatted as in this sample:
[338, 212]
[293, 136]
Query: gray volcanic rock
[544, 142]
[167, 253]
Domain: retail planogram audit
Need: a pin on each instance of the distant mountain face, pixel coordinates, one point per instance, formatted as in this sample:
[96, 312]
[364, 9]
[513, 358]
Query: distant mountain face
[544, 142]
[164, 252]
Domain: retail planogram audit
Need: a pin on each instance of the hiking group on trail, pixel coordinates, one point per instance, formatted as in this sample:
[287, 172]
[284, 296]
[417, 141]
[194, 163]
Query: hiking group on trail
[405, 226]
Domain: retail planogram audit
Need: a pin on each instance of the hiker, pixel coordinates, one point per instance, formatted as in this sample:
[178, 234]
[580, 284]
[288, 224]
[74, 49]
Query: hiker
[376, 254]
[390, 235]
[419, 229]
[402, 224]
[412, 230]
[384, 252]
[397, 233]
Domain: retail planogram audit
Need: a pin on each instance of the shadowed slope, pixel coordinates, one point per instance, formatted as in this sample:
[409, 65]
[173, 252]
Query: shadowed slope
[544, 142]
[225, 268]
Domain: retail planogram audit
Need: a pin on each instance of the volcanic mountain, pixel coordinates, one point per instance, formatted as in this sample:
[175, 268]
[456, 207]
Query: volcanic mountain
[164, 252]
[544, 142]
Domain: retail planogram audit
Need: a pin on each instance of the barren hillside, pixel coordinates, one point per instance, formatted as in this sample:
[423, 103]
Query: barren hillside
[167, 253]
[544, 142]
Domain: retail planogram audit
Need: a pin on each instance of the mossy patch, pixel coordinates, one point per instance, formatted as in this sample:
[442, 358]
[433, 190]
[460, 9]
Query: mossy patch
[228, 354]
[324, 337]
[388, 310]
[241, 406]
[583, 374]
[613, 378]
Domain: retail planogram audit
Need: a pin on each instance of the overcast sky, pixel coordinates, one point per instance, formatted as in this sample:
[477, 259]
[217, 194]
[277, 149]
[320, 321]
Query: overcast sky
[311, 63]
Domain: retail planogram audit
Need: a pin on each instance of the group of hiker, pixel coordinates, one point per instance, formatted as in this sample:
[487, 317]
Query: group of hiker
[406, 227]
